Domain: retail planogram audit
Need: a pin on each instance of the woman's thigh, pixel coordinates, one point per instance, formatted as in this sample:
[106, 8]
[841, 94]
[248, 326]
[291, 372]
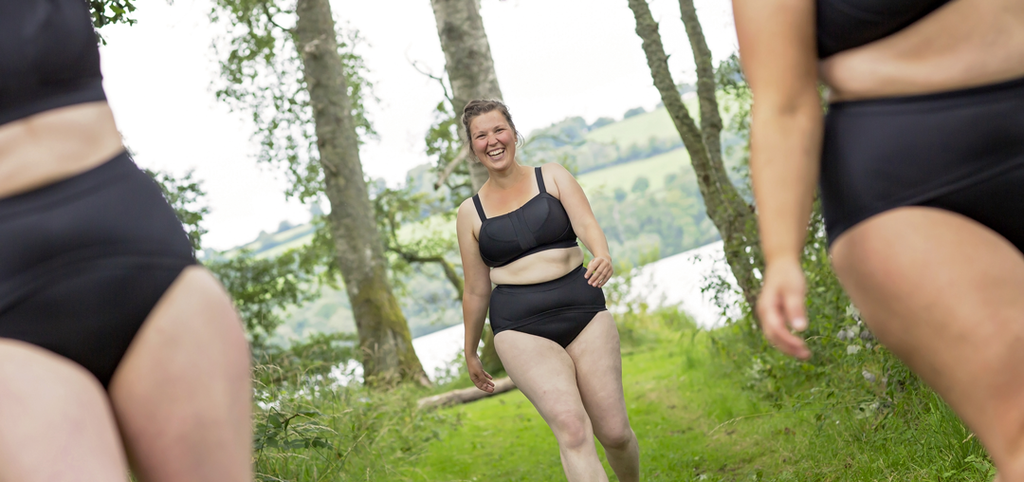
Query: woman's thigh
[946, 294]
[545, 373]
[596, 354]
[56, 423]
[182, 393]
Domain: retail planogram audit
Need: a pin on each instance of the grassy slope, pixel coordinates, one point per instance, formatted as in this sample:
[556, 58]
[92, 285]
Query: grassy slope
[654, 168]
[637, 129]
[675, 405]
[695, 421]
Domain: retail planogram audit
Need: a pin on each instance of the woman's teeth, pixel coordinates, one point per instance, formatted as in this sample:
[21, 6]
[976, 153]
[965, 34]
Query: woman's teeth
[496, 152]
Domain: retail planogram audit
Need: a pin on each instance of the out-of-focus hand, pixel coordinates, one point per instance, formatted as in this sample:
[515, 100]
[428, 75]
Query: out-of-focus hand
[480, 377]
[781, 307]
[599, 271]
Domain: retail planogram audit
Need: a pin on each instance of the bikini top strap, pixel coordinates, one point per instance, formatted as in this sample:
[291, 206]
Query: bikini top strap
[479, 207]
[540, 179]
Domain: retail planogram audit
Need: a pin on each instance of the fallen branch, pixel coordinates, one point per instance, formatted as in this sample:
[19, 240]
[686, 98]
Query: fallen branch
[465, 395]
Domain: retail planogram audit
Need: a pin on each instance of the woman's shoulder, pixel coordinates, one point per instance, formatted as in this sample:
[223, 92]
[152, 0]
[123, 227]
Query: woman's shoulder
[556, 176]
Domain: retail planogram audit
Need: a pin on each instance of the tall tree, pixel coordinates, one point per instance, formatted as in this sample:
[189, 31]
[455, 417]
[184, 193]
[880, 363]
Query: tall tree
[732, 215]
[468, 62]
[383, 332]
[471, 74]
[304, 92]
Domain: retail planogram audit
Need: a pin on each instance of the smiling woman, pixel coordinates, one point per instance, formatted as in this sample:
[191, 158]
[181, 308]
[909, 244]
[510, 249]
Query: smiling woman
[553, 333]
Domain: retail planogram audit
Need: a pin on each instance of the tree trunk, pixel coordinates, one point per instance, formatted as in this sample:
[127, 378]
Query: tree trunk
[468, 61]
[733, 217]
[384, 338]
[471, 73]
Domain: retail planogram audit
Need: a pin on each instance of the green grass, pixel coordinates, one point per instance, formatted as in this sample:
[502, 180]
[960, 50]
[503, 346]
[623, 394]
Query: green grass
[654, 168]
[674, 403]
[697, 417]
[637, 129]
[695, 421]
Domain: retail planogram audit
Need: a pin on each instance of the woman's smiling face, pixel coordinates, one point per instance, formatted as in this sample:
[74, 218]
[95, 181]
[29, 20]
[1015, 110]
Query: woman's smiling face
[494, 141]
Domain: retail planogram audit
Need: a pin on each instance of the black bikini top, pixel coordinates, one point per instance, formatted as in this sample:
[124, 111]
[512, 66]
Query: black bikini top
[845, 24]
[48, 57]
[540, 224]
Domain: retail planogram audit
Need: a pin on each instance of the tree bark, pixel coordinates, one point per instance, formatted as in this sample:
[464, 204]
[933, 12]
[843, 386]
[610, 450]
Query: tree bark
[734, 218]
[384, 337]
[468, 61]
[471, 73]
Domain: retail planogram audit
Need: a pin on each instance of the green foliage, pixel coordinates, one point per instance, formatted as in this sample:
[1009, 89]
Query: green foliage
[330, 432]
[640, 185]
[444, 146]
[185, 195]
[303, 365]
[107, 12]
[262, 75]
[262, 287]
[669, 220]
[633, 112]
[395, 207]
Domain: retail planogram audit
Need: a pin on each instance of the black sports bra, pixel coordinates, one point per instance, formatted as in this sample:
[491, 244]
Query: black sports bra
[48, 57]
[846, 24]
[540, 224]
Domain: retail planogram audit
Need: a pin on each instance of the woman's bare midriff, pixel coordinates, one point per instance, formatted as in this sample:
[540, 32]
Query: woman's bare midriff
[538, 267]
[966, 43]
[44, 148]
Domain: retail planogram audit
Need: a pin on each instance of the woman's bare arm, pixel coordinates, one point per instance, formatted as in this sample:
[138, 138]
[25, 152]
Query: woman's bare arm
[777, 51]
[583, 223]
[476, 294]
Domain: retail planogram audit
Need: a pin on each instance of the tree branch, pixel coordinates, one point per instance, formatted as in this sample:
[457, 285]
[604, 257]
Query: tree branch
[710, 120]
[449, 270]
[461, 156]
[439, 80]
[270, 17]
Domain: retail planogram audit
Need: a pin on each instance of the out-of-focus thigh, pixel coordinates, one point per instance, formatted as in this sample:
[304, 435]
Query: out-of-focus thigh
[944, 293]
[56, 420]
[182, 393]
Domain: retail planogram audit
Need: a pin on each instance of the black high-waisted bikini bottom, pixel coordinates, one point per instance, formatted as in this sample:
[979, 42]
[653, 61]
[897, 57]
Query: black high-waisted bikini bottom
[558, 310]
[962, 151]
[84, 260]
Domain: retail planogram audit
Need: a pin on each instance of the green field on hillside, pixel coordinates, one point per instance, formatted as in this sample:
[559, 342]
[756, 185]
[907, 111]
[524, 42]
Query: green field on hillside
[637, 129]
[654, 169]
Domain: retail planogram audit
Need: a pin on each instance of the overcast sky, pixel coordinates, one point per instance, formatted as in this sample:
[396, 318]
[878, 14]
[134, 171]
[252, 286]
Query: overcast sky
[554, 59]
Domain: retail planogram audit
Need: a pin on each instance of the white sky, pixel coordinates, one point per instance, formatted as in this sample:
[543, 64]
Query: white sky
[554, 59]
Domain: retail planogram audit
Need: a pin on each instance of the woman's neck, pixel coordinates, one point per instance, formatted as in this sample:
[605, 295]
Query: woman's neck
[508, 178]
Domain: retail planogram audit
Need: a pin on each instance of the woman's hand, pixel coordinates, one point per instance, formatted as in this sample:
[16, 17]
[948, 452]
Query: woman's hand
[480, 377]
[781, 307]
[599, 271]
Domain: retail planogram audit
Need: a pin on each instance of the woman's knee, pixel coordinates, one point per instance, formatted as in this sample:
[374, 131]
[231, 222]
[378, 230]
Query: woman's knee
[618, 437]
[572, 429]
